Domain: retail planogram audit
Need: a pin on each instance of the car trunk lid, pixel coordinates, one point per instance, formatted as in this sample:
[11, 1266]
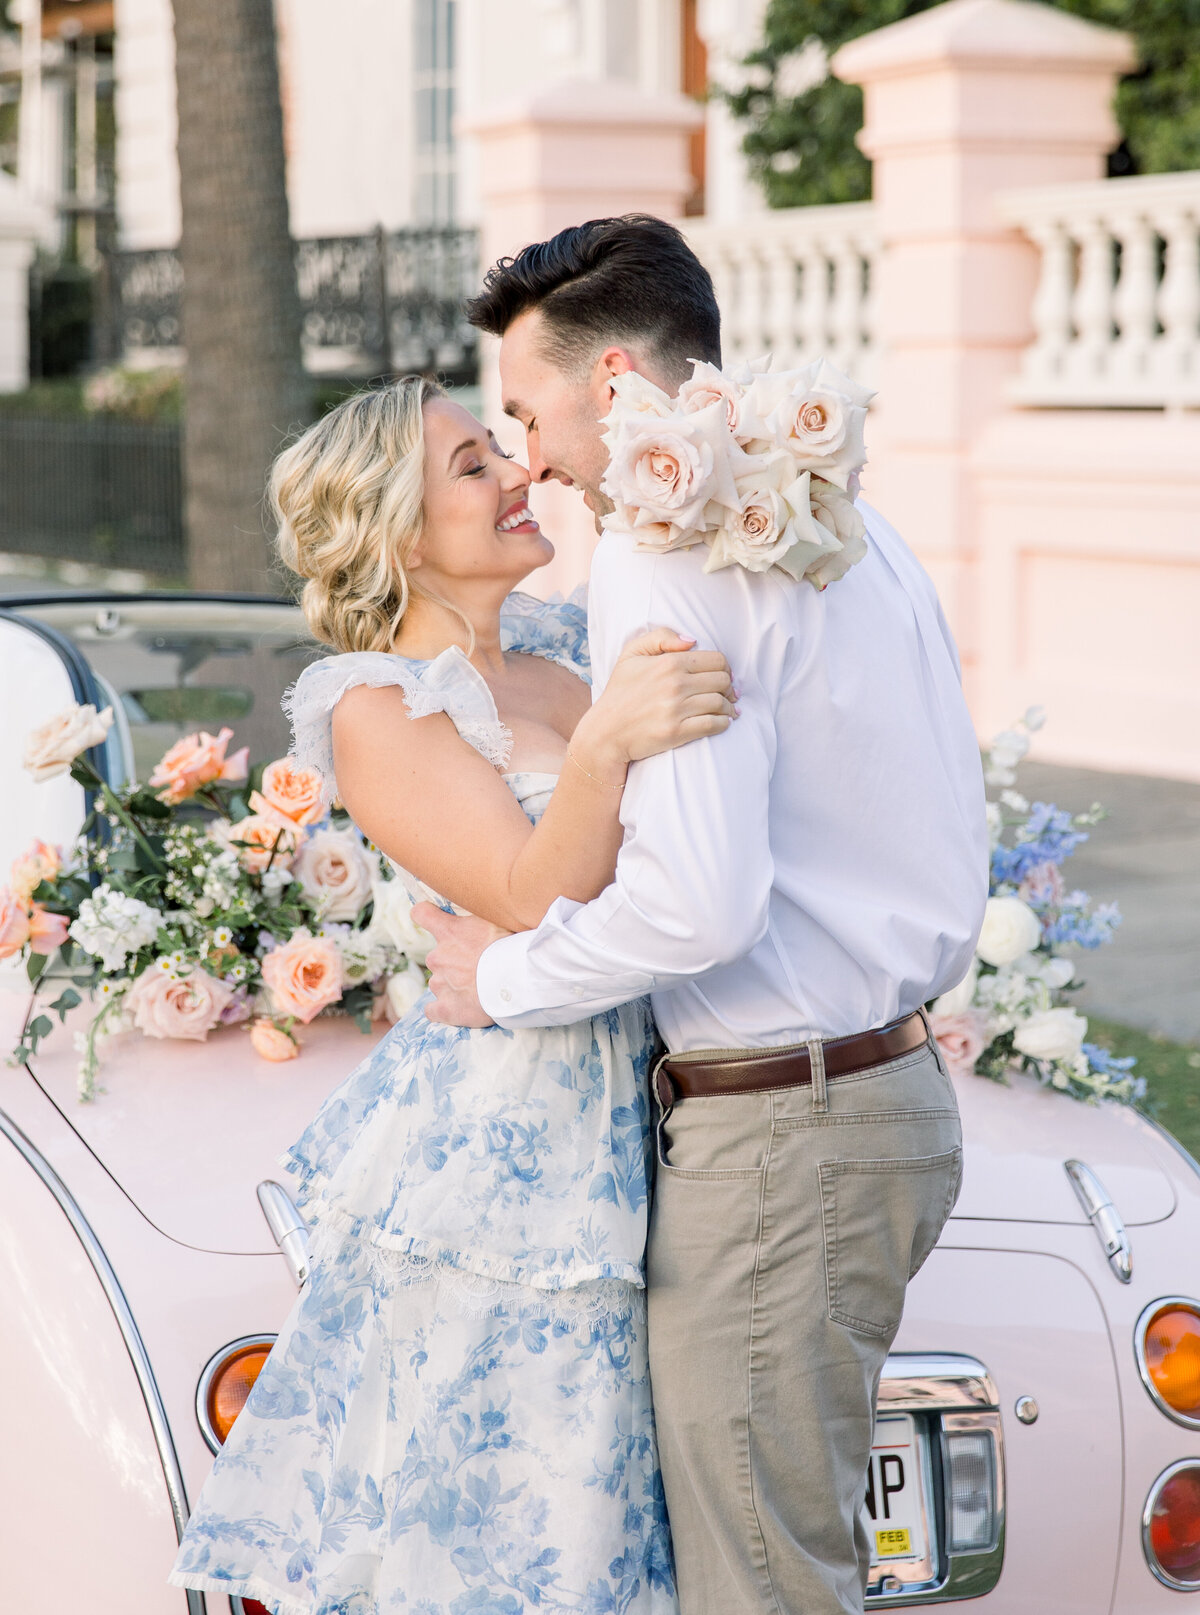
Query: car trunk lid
[1017, 1138]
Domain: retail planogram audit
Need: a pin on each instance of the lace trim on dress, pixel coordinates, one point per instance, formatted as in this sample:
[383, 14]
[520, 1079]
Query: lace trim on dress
[448, 684]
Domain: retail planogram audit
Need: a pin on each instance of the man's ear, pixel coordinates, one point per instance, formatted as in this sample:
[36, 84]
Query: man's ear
[612, 362]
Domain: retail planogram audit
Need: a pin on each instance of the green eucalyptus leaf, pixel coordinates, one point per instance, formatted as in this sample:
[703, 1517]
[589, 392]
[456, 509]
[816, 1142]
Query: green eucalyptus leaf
[65, 1001]
[41, 1027]
[35, 965]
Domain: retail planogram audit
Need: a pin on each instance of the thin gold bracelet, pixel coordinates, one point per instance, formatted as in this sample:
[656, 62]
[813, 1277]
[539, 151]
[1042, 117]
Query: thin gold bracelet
[608, 785]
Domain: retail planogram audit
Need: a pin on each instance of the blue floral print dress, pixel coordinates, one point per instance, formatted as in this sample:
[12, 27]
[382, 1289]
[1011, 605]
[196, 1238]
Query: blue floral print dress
[455, 1418]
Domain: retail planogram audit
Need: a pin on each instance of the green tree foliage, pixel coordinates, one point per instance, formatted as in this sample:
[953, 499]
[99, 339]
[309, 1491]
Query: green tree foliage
[801, 147]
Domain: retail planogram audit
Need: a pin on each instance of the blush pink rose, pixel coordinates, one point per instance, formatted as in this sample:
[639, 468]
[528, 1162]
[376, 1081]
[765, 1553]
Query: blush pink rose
[51, 749]
[184, 1007]
[41, 862]
[195, 761]
[304, 976]
[961, 1038]
[271, 1042]
[336, 873]
[14, 923]
[295, 792]
[47, 932]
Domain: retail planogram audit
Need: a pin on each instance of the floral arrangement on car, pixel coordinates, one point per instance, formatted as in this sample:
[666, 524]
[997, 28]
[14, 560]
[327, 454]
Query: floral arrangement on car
[208, 897]
[760, 465]
[1010, 1008]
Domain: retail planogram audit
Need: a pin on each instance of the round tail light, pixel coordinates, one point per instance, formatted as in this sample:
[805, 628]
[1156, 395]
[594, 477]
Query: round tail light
[1167, 1339]
[226, 1383]
[1171, 1526]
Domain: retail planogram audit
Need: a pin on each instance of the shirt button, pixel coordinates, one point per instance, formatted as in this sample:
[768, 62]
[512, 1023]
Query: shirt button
[505, 995]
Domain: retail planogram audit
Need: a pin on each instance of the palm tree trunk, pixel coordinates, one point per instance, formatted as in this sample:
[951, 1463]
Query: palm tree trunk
[245, 385]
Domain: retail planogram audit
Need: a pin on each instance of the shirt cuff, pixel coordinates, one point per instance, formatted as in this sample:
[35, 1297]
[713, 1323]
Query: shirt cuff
[498, 966]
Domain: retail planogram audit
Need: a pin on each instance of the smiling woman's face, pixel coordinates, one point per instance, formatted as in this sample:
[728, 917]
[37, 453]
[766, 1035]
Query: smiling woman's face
[477, 525]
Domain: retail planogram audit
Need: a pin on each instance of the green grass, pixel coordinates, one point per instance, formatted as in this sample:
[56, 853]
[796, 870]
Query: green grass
[1172, 1073]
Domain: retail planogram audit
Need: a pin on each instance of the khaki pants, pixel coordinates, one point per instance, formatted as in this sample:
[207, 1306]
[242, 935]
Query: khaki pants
[782, 1238]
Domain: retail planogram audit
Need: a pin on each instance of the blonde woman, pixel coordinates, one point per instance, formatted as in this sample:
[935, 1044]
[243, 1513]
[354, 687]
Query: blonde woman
[456, 1417]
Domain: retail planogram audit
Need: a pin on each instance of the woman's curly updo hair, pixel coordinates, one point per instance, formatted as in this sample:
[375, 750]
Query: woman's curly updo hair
[347, 496]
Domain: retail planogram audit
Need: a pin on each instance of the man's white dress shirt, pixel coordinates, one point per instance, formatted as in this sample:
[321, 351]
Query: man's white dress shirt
[818, 869]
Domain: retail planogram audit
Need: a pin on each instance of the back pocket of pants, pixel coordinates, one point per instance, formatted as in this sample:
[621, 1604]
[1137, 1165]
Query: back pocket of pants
[881, 1219]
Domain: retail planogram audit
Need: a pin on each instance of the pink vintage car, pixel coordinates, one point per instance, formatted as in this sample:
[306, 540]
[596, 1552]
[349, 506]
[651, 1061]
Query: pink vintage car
[1038, 1443]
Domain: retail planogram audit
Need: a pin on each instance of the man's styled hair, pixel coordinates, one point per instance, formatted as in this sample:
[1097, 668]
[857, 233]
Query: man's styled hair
[630, 280]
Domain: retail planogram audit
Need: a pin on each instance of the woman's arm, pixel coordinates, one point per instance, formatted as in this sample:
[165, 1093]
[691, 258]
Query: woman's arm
[431, 802]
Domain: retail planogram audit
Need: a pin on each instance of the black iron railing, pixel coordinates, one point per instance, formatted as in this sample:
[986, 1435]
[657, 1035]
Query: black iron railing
[376, 304]
[99, 490]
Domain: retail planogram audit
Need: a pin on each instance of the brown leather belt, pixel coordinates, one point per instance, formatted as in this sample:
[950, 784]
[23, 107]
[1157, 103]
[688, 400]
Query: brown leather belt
[718, 1071]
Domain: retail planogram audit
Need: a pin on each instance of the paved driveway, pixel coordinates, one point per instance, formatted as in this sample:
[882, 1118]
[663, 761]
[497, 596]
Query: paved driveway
[1146, 857]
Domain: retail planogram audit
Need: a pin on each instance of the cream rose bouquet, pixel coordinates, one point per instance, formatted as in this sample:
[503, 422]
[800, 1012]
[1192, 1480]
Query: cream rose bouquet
[759, 465]
[1011, 1009]
[211, 896]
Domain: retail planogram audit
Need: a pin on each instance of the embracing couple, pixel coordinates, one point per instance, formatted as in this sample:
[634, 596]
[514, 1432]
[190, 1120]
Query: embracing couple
[672, 1122]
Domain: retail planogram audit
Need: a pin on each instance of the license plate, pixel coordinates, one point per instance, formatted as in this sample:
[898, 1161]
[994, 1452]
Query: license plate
[894, 1512]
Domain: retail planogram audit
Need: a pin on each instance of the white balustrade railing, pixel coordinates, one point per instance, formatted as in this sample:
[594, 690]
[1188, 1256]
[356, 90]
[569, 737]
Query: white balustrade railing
[795, 282]
[1117, 310]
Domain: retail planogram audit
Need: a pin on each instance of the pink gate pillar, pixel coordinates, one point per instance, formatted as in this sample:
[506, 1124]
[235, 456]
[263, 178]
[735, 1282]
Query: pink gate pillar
[962, 101]
[583, 149]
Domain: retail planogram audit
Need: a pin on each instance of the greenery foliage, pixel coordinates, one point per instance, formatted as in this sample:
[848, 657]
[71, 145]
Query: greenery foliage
[802, 149]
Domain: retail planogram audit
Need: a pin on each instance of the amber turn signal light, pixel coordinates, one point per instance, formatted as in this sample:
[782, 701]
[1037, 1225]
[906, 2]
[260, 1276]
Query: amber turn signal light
[226, 1383]
[1168, 1348]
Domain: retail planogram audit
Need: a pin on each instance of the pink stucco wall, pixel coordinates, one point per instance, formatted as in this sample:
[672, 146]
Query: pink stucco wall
[1064, 543]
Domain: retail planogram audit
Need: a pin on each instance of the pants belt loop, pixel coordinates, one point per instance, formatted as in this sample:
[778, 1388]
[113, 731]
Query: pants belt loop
[816, 1055]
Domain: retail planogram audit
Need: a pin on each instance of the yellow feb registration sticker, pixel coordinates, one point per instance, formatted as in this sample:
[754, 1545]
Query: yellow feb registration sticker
[892, 1544]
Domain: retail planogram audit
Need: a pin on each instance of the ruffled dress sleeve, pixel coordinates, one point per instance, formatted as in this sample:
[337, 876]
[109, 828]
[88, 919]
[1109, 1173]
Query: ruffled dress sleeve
[448, 684]
[555, 629]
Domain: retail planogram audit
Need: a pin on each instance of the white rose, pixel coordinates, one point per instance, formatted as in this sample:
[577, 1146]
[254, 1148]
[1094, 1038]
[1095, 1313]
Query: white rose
[637, 393]
[823, 432]
[708, 385]
[837, 513]
[51, 749]
[960, 998]
[392, 920]
[669, 469]
[335, 872]
[773, 524]
[402, 991]
[1051, 1034]
[1010, 928]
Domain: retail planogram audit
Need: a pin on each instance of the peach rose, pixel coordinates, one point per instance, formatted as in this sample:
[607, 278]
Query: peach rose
[669, 470]
[298, 793]
[961, 1038]
[47, 932]
[304, 976]
[195, 761]
[271, 1042]
[14, 924]
[256, 837]
[335, 872]
[184, 1007]
[51, 749]
[41, 862]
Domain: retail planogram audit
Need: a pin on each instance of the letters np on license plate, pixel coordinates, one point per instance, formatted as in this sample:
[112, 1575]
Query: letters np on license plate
[894, 1512]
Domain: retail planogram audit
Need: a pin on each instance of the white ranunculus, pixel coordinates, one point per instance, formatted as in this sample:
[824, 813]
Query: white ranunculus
[392, 920]
[336, 873]
[1010, 928]
[1051, 1034]
[53, 747]
[403, 989]
[959, 998]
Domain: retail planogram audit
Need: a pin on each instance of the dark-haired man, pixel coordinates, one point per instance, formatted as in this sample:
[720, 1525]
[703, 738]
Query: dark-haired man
[790, 893]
